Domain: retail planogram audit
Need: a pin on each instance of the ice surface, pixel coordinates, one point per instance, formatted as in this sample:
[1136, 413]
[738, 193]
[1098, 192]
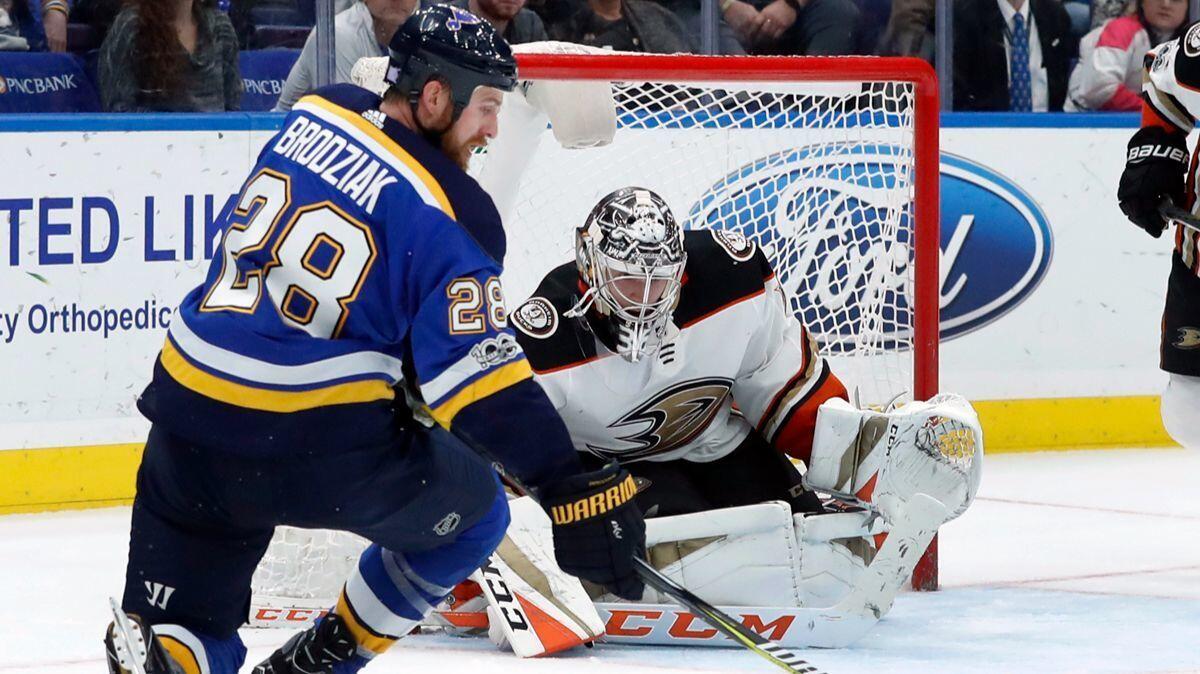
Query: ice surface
[1068, 562]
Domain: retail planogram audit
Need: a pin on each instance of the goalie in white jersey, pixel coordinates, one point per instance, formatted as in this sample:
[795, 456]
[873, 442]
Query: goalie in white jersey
[674, 353]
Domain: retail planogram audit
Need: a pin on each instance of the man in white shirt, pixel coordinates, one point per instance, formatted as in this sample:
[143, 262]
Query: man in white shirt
[1021, 33]
[1011, 55]
[363, 29]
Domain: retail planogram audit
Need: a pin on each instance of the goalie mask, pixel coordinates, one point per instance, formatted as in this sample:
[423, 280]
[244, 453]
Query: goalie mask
[630, 258]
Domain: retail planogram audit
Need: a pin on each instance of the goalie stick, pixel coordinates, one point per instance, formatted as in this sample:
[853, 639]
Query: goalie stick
[1181, 215]
[781, 657]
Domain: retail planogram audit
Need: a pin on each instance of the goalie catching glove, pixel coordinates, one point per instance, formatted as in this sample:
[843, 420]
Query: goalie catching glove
[1154, 168]
[598, 529]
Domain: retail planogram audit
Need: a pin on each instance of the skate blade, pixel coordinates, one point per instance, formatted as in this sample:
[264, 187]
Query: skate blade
[129, 644]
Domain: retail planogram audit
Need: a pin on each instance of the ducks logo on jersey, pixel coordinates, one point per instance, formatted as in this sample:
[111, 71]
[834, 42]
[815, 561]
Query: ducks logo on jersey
[1188, 338]
[670, 419]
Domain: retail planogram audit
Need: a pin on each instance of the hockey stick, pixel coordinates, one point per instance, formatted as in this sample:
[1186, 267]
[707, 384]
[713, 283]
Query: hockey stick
[1181, 215]
[781, 657]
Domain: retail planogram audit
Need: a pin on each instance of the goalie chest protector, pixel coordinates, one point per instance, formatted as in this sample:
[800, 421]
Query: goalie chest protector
[678, 402]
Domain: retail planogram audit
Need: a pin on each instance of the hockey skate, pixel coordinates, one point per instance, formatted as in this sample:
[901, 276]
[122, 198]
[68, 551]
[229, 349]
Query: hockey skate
[314, 651]
[131, 648]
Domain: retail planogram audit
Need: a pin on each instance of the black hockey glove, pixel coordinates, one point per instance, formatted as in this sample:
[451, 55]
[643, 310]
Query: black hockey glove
[1154, 170]
[598, 529]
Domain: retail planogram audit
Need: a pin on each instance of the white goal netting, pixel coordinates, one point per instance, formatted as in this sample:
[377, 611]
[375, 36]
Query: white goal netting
[821, 174]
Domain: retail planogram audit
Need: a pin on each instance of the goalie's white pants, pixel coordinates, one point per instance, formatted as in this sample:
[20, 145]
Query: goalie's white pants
[1181, 410]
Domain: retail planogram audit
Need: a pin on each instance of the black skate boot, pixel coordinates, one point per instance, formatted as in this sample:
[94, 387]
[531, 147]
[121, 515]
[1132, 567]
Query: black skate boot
[314, 651]
[131, 647]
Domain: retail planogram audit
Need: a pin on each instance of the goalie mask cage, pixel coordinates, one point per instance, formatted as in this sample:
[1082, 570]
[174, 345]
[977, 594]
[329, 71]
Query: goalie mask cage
[829, 164]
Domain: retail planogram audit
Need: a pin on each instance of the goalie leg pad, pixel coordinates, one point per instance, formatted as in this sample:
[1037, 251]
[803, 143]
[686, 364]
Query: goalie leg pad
[837, 548]
[742, 556]
[762, 555]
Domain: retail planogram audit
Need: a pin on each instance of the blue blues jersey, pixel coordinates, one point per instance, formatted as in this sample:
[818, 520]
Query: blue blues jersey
[357, 256]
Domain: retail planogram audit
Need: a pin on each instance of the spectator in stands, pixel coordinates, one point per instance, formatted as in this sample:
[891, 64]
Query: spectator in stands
[728, 40]
[1109, 73]
[363, 29]
[10, 34]
[802, 27]
[509, 17]
[1103, 10]
[170, 56]
[1030, 38]
[623, 25]
[43, 23]
[909, 30]
[99, 14]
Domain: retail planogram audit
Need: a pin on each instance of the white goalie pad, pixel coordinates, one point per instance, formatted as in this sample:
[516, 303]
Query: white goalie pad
[884, 459]
[759, 555]
[804, 581]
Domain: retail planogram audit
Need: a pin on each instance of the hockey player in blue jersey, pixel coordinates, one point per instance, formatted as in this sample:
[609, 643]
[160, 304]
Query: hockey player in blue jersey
[358, 270]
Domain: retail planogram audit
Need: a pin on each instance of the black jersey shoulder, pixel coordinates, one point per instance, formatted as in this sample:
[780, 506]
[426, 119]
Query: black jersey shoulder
[1187, 59]
[723, 267]
[551, 340]
[473, 207]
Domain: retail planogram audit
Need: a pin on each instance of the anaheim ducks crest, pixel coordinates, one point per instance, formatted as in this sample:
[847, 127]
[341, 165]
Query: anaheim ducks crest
[1187, 338]
[669, 420]
[736, 244]
[536, 318]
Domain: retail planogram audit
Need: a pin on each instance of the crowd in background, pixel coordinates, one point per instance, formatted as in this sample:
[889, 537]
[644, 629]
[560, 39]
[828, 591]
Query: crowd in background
[1019, 55]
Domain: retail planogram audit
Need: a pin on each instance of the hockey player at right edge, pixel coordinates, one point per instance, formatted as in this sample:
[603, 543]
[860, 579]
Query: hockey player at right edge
[674, 353]
[1155, 169]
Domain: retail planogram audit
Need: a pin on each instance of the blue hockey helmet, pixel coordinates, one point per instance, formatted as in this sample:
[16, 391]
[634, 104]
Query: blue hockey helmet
[454, 44]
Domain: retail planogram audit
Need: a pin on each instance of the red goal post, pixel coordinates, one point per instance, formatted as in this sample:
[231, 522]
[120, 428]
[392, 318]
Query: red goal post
[918, 74]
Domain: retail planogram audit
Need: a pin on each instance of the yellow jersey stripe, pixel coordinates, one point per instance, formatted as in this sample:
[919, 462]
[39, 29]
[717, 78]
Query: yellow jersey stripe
[180, 653]
[481, 388]
[383, 139]
[363, 635]
[267, 400]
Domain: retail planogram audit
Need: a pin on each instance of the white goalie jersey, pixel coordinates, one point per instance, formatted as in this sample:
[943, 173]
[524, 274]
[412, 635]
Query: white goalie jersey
[739, 362]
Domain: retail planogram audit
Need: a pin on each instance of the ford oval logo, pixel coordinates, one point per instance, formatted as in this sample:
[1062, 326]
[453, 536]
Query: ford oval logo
[832, 219]
[996, 245]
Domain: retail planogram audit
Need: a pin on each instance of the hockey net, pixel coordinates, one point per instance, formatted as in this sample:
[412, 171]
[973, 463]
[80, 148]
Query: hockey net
[829, 164]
